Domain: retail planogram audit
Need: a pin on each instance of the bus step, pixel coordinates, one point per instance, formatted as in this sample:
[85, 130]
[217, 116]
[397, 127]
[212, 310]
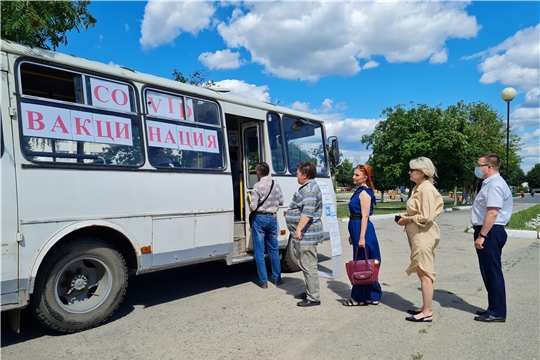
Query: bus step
[239, 229]
[239, 245]
[242, 258]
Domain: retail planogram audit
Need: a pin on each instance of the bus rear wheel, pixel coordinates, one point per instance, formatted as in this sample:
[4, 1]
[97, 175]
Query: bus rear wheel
[289, 260]
[80, 286]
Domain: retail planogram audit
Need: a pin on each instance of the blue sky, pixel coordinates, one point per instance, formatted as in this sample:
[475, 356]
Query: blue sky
[345, 61]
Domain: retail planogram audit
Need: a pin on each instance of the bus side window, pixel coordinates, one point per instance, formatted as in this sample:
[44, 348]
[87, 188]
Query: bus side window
[56, 128]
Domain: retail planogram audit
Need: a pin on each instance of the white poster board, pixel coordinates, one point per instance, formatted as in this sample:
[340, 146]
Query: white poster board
[329, 207]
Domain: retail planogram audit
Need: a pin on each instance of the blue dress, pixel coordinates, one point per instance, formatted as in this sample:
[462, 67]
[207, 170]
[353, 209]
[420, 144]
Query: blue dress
[363, 293]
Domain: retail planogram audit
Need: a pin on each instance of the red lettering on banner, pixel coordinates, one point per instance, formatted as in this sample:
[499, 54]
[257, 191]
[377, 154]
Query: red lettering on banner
[33, 118]
[211, 142]
[185, 138]
[198, 139]
[171, 109]
[108, 130]
[152, 135]
[115, 97]
[96, 93]
[153, 105]
[60, 124]
[79, 126]
[170, 137]
[124, 129]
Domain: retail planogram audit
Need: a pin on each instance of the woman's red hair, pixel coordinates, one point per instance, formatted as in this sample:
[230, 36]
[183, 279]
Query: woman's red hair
[366, 169]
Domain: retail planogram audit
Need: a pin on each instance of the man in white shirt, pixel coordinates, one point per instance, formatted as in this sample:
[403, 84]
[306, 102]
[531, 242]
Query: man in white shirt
[490, 212]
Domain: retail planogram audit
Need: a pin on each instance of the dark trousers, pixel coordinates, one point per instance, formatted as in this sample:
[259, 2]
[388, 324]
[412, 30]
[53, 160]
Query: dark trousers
[489, 259]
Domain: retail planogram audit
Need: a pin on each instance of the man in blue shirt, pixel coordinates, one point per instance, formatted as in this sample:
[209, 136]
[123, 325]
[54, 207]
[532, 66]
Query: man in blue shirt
[490, 212]
[267, 197]
[305, 226]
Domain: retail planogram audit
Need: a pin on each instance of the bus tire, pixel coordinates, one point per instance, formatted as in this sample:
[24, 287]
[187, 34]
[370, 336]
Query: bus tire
[289, 260]
[80, 285]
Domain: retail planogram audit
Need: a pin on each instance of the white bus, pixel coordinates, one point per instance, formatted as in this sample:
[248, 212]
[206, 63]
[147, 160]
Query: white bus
[107, 172]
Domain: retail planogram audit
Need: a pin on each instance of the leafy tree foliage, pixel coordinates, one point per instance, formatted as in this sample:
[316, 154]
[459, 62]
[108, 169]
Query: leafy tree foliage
[197, 78]
[44, 24]
[453, 138]
[533, 176]
[344, 173]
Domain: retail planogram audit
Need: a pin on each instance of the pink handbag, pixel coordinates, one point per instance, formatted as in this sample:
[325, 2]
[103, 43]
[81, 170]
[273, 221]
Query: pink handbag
[363, 272]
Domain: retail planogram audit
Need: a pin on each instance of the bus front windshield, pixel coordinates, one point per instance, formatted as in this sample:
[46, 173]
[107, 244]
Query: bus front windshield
[304, 142]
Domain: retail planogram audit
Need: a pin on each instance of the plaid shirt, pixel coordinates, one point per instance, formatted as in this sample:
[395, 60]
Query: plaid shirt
[307, 202]
[271, 205]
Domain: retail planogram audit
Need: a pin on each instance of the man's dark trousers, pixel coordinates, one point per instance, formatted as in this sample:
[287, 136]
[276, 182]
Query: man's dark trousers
[489, 259]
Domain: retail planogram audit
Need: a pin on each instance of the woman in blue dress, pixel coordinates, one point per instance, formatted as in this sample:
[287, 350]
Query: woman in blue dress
[362, 233]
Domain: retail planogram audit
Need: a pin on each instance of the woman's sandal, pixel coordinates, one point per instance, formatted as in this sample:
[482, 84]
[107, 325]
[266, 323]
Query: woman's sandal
[351, 303]
[369, 302]
[422, 319]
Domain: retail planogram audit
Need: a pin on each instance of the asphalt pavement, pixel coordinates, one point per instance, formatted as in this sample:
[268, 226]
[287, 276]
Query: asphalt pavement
[214, 311]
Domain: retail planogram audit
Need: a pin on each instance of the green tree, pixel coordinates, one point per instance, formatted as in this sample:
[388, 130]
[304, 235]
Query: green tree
[197, 78]
[533, 176]
[44, 24]
[344, 173]
[453, 138]
[408, 133]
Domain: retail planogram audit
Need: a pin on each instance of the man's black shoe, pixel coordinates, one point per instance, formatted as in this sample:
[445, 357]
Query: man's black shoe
[489, 318]
[301, 296]
[306, 303]
[481, 312]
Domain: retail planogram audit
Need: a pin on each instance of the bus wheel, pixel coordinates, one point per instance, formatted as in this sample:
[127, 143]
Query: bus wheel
[289, 260]
[80, 285]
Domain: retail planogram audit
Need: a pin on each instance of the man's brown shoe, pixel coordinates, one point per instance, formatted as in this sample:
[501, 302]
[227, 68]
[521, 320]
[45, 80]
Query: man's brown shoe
[277, 283]
[263, 286]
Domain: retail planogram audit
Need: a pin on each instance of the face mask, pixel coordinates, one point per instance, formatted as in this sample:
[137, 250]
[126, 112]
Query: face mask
[478, 172]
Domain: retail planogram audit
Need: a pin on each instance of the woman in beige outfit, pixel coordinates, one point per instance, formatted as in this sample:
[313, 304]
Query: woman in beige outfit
[424, 205]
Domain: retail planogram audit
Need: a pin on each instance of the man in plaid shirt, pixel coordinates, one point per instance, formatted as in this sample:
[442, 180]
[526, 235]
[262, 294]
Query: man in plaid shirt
[304, 223]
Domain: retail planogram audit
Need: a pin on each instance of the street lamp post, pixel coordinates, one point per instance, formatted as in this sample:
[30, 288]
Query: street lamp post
[508, 95]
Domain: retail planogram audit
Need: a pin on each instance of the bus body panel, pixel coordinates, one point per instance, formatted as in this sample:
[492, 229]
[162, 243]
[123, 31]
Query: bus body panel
[12, 286]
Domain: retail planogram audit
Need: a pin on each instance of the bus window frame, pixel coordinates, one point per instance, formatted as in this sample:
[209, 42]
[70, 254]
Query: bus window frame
[292, 169]
[281, 143]
[84, 74]
[219, 128]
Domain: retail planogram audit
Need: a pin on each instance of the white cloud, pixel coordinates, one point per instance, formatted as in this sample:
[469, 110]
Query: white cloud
[531, 136]
[350, 130]
[523, 117]
[126, 26]
[164, 21]
[310, 40]
[532, 98]
[439, 57]
[249, 91]
[514, 62]
[370, 65]
[221, 59]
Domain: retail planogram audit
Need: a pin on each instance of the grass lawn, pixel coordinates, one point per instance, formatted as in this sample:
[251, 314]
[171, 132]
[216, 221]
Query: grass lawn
[518, 220]
[383, 208]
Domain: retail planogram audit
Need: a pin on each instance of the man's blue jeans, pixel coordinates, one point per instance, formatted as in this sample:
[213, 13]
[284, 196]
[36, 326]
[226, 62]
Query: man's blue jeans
[264, 231]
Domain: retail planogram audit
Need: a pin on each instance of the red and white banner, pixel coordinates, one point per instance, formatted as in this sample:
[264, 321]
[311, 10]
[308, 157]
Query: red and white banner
[169, 106]
[56, 123]
[181, 137]
[110, 95]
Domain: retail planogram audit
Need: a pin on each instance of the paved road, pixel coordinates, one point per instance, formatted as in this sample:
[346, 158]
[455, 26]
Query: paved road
[211, 311]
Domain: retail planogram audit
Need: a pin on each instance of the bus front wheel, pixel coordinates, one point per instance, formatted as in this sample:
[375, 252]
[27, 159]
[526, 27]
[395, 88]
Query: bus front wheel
[80, 285]
[289, 260]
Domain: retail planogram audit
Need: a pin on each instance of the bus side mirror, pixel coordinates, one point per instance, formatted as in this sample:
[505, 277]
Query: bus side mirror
[335, 148]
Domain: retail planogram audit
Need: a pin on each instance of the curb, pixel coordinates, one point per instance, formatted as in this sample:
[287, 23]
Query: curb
[523, 234]
[391, 216]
